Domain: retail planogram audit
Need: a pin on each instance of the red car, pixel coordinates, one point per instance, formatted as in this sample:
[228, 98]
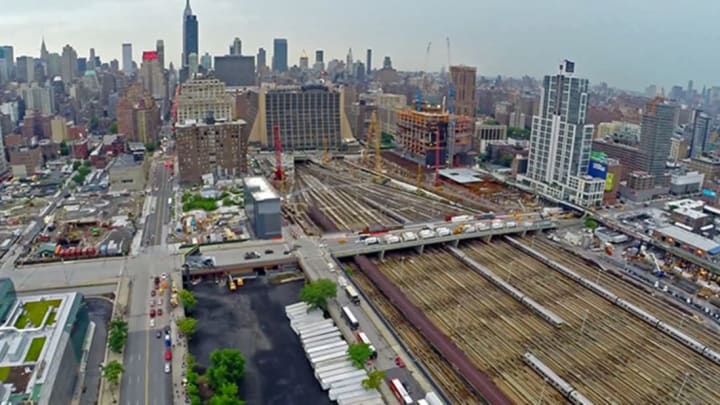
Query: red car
[152, 313]
[168, 355]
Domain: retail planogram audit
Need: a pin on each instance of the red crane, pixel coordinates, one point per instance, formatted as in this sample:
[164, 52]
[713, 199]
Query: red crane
[279, 174]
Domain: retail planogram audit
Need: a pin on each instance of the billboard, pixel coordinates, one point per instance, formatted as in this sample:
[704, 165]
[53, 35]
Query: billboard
[598, 157]
[609, 181]
[597, 169]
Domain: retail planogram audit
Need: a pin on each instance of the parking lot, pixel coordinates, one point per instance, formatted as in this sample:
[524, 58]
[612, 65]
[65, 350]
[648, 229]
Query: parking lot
[252, 319]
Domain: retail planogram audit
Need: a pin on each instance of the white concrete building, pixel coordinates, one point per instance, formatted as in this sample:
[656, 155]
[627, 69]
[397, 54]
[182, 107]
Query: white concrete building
[560, 141]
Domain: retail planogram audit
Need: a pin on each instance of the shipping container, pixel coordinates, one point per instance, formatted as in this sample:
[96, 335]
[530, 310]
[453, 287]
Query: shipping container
[337, 345]
[319, 332]
[325, 383]
[326, 336]
[321, 343]
[352, 386]
[329, 357]
[334, 366]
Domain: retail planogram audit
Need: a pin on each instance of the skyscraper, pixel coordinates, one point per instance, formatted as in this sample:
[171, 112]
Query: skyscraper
[43, 51]
[24, 69]
[151, 74]
[127, 67]
[236, 47]
[319, 60]
[304, 62]
[91, 60]
[349, 63]
[190, 34]
[206, 61]
[261, 61]
[656, 131]
[368, 61]
[280, 55]
[235, 70]
[68, 64]
[701, 134]
[160, 49]
[560, 141]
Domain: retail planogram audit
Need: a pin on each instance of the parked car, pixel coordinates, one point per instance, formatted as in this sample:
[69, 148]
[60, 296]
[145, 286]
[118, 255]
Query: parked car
[168, 355]
[269, 251]
[159, 312]
[167, 367]
[152, 313]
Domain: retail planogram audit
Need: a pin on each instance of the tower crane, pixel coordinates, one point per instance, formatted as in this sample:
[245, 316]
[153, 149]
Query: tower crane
[279, 173]
[422, 88]
[450, 141]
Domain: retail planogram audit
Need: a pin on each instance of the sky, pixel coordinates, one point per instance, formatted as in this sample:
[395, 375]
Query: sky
[626, 43]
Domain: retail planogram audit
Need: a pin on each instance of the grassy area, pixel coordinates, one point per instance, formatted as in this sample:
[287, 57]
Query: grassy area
[35, 348]
[35, 312]
[51, 318]
[4, 373]
[198, 202]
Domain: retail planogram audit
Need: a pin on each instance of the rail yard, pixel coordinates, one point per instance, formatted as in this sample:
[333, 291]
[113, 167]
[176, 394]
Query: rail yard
[353, 202]
[605, 353]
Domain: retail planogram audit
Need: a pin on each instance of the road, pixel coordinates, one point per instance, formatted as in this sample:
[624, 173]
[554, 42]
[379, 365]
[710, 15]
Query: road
[144, 380]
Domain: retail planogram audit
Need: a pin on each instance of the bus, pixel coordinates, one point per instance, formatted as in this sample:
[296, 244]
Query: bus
[400, 392]
[350, 318]
[352, 294]
[362, 338]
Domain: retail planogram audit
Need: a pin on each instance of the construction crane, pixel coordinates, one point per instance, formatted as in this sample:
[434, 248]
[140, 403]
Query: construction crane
[378, 139]
[422, 88]
[326, 152]
[451, 113]
[279, 173]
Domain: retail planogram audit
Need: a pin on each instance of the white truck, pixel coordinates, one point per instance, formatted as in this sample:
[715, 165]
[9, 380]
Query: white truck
[426, 234]
[390, 239]
[408, 236]
[371, 241]
[443, 231]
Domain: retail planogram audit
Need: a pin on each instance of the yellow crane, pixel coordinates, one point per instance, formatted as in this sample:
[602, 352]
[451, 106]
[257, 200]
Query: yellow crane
[378, 155]
[326, 152]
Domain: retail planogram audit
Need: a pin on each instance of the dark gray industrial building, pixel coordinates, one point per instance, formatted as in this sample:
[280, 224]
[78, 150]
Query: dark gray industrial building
[262, 207]
[235, 70]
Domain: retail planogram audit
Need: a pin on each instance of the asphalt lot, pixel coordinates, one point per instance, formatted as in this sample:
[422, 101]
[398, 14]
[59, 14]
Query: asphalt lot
[253, 320]
[100, 312]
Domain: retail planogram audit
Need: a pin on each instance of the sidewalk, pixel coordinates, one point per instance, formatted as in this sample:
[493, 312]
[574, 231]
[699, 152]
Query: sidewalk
[180, 349]
[106, 393]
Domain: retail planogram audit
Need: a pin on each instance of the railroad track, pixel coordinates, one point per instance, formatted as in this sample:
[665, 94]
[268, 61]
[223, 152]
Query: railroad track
[650, 303]
[604, 352]
[451, 383]
[487, 324]
[352, 201]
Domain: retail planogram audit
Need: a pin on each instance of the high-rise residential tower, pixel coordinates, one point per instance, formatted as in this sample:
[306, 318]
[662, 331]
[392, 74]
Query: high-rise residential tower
[561, 139]
[280, 55]
[190, 34]
[261, 61]
[656, 131]
[463, 77]
[701, 134]
[127, 65]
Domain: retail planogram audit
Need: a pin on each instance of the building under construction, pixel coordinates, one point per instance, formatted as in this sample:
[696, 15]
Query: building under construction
[421, 133]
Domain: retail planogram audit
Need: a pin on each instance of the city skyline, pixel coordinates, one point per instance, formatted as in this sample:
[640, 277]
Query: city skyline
[493, 45]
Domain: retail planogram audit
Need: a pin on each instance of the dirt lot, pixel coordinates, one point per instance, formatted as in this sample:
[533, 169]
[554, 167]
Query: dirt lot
[252, 319]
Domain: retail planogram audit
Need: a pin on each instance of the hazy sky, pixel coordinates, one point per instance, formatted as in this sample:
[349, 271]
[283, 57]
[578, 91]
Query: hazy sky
[627, 43]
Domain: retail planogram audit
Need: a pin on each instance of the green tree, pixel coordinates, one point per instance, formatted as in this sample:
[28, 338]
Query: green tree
[228, 366]
[188, 299]
[113, 129]
[226, 395]
[76, 164]
[117, 336]
[359, 354]
[316, 294]
[374, 379]
[86, 163]
[590, 223]
[112, 373]
[150, 147]
[187, 326]
[64, 149]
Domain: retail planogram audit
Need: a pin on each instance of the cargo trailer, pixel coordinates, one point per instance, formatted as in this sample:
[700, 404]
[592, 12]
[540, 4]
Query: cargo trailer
[341, 377]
